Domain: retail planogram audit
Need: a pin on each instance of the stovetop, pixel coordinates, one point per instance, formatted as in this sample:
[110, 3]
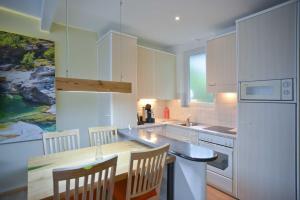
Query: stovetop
[221, 129]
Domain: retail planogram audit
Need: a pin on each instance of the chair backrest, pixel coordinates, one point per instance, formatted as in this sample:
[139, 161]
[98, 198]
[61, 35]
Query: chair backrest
[146, 171]
[55, 142]
[102, 135]
[92, 181]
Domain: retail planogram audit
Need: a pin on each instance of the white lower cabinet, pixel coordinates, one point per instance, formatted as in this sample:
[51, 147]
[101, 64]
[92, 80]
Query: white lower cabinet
[182, 134]
[160, 130]
[221, 182]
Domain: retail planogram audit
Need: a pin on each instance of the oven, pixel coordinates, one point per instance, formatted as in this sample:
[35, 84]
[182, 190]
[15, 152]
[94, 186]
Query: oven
[223, 164]
[219, 171]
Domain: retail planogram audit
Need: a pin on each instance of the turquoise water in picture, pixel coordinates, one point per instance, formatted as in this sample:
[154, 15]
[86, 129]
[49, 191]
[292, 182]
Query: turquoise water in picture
[14, 108]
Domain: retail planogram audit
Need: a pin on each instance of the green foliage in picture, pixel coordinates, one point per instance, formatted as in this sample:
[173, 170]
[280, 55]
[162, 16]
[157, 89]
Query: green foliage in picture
[19, 49]
[28, 60]
[49, 54]
[15, 40]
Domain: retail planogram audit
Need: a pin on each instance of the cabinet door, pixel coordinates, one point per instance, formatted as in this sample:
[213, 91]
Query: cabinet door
[124, 61]
[221, 65]
[146, 73]
[194, 135]
[267, 44]
[266, 151]
[227, 73]
[211, 56]
[165, 74]
[182, 134]
[104, 99]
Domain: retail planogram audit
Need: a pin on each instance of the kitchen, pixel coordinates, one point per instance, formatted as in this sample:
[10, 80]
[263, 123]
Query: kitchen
[223, 95]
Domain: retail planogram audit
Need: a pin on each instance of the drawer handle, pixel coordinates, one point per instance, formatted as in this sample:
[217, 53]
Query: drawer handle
[212, 84]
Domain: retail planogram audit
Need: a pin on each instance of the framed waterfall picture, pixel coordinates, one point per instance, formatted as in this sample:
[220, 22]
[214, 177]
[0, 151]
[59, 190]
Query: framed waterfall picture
[27, 91]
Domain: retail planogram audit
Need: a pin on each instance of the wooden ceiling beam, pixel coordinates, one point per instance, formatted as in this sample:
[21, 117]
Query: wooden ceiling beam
[87, 85]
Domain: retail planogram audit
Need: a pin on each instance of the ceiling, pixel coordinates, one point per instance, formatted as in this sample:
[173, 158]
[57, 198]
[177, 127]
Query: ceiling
[151, 20]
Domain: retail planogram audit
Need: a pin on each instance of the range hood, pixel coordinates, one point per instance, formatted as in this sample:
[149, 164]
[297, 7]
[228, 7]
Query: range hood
[88, 85]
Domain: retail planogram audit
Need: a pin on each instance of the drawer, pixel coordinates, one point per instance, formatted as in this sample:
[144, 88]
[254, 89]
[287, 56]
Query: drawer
[216, 139]
[182, 134]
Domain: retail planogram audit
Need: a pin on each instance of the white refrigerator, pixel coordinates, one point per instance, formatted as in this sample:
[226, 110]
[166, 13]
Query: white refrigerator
[268, 68]
[267, 151]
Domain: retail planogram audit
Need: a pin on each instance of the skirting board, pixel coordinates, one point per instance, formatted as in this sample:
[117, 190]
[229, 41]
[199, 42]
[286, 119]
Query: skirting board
[12, 191]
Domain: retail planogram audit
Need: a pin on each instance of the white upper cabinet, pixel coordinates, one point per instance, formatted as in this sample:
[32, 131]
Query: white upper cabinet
[146, 58]
[156, 74]
[221, 64]
[117, 60]
[267, 42]
[165, 75]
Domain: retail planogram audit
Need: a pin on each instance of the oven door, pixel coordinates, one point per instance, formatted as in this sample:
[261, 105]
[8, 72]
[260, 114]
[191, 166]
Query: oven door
[223, 164]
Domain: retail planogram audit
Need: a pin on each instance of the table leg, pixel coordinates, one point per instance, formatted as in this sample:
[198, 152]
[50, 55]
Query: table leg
[170, 181]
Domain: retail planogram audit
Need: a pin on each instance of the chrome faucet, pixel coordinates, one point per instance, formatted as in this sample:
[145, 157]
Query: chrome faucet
[187, 121]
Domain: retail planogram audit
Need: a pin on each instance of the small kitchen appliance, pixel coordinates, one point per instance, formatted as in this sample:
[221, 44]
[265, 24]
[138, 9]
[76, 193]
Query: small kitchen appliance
[149, 114]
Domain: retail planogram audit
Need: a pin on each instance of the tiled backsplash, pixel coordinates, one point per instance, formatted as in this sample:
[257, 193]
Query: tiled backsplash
[156, 105]
[222, 112]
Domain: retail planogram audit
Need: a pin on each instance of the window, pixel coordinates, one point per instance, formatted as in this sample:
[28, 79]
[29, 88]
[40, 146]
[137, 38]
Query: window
[197, 66]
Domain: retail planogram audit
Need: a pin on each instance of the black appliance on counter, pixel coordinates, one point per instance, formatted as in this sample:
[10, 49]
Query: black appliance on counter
[149, 114]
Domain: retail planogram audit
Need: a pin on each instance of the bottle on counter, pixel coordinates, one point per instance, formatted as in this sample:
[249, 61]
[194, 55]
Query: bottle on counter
[166, 113]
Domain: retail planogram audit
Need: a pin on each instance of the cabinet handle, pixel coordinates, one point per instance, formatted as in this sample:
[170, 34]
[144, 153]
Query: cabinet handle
[212, 84]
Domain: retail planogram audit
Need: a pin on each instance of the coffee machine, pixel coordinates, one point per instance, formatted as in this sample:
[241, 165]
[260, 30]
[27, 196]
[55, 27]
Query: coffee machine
[148, 114]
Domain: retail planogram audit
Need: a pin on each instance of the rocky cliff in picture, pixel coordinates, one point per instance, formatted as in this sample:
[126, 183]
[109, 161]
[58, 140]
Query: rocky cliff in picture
[27, 91]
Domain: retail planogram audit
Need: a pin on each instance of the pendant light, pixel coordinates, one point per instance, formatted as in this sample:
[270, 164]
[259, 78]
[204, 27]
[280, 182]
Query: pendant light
[89, 85]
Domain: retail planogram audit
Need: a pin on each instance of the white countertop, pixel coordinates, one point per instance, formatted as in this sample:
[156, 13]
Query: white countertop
[200, 127]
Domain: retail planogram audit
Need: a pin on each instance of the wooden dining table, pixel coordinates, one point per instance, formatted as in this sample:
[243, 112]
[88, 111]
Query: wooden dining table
[40, 181]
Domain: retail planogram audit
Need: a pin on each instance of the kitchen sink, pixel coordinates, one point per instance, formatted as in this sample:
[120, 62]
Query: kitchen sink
[190, 124]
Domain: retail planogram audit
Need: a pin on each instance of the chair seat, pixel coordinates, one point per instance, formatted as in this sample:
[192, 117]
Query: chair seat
[120, 192]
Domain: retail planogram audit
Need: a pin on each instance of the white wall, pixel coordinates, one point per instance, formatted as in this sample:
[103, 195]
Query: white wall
[74, 110]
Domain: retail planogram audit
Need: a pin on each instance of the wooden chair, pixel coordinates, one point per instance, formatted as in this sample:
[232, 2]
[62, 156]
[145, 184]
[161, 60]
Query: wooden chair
[94, 181]
[102, 135]
[145, 174]
[55, 142]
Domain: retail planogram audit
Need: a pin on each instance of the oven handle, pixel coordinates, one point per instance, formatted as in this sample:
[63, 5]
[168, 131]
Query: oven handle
[216, 147]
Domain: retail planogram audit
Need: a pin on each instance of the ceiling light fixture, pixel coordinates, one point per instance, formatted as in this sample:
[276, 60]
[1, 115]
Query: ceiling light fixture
[87, 85]
[177, 18]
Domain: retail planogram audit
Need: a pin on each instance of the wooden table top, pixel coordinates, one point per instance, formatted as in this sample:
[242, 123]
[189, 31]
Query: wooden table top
[40, 182]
